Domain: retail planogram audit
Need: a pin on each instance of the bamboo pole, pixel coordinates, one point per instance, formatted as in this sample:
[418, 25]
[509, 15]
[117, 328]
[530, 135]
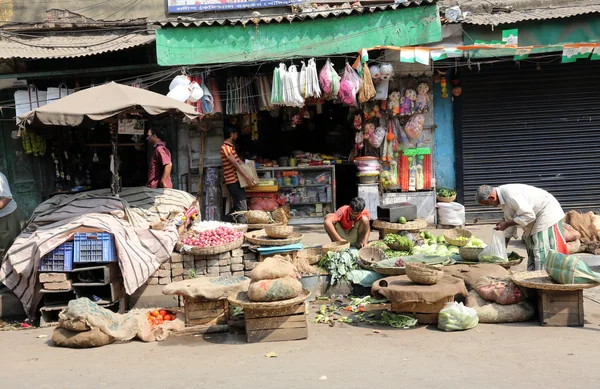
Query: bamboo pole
[204, 127]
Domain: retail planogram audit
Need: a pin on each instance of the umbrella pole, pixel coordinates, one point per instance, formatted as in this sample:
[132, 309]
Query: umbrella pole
[199, 194]
[115, 173]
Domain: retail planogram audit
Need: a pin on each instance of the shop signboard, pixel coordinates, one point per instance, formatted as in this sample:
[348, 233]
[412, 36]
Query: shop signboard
[192, 6]
[131, 127]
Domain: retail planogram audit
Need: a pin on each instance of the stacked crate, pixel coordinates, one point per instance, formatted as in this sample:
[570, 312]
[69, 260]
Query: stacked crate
[86, 267]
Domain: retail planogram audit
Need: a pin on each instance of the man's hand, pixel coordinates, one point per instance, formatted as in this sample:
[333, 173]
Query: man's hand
[162, 184]
[501, 226]
[250, 179]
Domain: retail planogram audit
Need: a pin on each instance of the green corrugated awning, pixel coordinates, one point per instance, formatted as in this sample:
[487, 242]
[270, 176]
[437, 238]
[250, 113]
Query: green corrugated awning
[314, 38]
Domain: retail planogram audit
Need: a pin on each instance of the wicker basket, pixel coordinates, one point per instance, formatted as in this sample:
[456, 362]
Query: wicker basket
[257, 217]
[210, 250]
[452, 236]
[423, 274]
[279, 232]
[336, 246]
[470, 253]
[441, 199]
[369, 255]
[368, 180]
[312, 254]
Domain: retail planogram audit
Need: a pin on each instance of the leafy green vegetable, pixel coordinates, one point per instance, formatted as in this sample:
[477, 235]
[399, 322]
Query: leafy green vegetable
[475, 242]
[396, 320]
[491, 259]
[379, 245]
[441, 239]
[396, 253]
[445, 192]
[339, 264]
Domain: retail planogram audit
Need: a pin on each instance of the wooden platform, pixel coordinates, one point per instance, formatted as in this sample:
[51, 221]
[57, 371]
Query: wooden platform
[560, 308]
[273, 325]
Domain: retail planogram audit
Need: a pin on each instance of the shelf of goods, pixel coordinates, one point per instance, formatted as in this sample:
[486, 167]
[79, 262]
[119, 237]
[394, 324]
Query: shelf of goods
[308, 190]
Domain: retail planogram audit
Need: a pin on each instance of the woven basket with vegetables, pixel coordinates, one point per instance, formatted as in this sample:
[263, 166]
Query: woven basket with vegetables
[458, 237]
[424, 274]
[398, 242]
[446, 195]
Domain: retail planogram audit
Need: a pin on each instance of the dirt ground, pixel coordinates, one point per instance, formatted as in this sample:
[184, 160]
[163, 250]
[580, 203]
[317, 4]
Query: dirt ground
[497, 356]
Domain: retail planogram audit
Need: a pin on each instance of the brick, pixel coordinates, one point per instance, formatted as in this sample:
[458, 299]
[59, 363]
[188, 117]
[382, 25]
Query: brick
[250, 256]
[224, 268]
[152, 281]
[178, 272]
[200, 257]
[164, 280]
[64, 285]
[225, 274]
[212, 257]
[201, 271]
[250, 265]
[176, 266]
[212, 262]
[188, 258]
[226, 255]
[178, 278]
[213, 271]
[176, 258]
[188, 264]
[238, 274]
[202, 263]
[237, 267]
[165, 266]
[224, 262]
[237, 260]
[53, 277]
[237, 253]
[163, 273]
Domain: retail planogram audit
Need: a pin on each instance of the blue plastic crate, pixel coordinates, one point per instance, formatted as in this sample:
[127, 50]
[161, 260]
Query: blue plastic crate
[58, 260]
[94, 247]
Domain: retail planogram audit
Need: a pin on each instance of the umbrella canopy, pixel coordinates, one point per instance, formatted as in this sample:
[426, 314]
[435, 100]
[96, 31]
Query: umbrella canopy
[102, 102]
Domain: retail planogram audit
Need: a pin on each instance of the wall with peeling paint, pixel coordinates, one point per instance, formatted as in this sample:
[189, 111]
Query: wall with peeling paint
[445, 174]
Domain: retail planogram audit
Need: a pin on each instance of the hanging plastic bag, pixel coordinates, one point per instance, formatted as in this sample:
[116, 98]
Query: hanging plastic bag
[302, 86]
[312, 80]
[180, 81]
[208, 105]
[495, 250]
[349, 87]
[294, 98]
[196, 92]
[382, 89]
[456, 317]
[330, 81]
[276, 94]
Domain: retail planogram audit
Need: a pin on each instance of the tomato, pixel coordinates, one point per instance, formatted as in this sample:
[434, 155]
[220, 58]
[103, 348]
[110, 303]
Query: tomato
[160, 317]
[162, 312]
[155, 313]
[167, 318]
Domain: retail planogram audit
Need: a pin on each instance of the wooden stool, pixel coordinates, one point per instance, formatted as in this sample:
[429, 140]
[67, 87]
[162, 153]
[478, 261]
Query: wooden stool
[560, 308]
[199, 311]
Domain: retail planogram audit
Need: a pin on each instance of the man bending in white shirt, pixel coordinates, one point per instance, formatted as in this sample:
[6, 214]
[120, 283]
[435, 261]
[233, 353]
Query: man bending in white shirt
[533, 209]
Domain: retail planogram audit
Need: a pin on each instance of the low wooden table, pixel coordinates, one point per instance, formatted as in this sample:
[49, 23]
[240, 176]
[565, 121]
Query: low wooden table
[560, 308]
[273, 325]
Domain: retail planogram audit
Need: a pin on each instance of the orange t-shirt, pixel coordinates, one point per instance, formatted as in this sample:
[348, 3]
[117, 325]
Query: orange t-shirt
[342, 216]
[229, 172]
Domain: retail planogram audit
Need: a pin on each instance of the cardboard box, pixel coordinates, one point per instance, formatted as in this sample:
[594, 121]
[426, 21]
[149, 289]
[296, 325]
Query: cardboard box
[250, 168]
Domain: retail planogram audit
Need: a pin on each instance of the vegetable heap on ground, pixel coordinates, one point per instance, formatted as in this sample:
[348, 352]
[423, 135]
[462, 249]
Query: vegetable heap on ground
[339, 264]
[398, 241]
[214, 237]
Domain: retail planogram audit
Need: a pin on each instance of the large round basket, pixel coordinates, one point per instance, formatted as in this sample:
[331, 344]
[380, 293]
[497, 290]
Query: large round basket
[423, 274]
[240, 227]
[470, 253]
[541, 280]
[335, 246]
[312, 254]
[368, 255]
[279, 232]
[441, 199]
[211, 250]
[254, 227]
[257, 217]
[452, 237]
[241, 299]
[378, 244]
[262, 239]
[414, 226]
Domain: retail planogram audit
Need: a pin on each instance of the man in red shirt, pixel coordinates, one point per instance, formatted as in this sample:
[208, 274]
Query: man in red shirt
[231, 168]
[349, 223]
[159, 168]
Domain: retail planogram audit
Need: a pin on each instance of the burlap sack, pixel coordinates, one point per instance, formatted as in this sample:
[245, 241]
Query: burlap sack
[273, 268]
[502, 291]
[73, 324]
[584, 224]
[281, 215]
[62, 337]
[208, 287]
[495, 313]
[472, 273]
[147, 333]
[401, 289]
[574, 247]
[274, 290]
[571, 234]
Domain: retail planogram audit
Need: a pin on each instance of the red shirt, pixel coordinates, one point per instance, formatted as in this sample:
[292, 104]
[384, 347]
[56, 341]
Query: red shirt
[229, 172]
[342, 216]
[161, 157]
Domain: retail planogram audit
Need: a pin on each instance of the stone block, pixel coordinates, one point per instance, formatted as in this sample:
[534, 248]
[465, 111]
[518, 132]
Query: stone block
[250, 256]
[177, 265]
[53, 277]
[64, 285]
[237, 253]
[212, 262]
[178, 278]
[250, 265]
[163, 273]
[165, 266]
[226, 255]
[164, 280]
[237, 267]
[225, 274]
[237, 260]
[213, 271]
[178, 272]
[238, 274]
[176, 258]
[224, 262]
[188, 258]
[188, 264]
[152, 281]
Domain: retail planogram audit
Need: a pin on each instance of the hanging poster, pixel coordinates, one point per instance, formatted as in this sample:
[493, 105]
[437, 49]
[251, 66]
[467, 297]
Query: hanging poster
[192, 6]
[131, 127]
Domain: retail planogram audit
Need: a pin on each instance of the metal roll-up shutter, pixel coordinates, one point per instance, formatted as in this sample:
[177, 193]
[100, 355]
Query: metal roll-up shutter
[518, 124]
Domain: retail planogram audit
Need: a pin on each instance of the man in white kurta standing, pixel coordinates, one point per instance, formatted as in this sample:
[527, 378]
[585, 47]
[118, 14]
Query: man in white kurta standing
[533, 209]
[10, 223]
